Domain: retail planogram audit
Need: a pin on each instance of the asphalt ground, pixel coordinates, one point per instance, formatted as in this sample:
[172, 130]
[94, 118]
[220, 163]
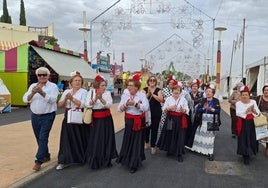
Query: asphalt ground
[158, 171]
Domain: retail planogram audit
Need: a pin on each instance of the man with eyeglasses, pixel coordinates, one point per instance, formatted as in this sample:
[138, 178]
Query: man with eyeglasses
[42, 97]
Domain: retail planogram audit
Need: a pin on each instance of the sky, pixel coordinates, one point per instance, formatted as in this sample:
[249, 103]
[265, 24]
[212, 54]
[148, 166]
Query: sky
[159, 31]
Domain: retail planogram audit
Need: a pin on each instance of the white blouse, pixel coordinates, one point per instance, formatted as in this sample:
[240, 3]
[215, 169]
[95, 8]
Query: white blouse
[79, 95]
[91, 94]
[139, 97]
[180, 102]
[242, 107]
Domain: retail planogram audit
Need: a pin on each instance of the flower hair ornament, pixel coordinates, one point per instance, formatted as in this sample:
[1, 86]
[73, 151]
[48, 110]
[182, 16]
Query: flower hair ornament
[74, 73]
[171, 77]
[196, 81]
[244, 89]
[98, 78]
[136, 77]
[175, 83]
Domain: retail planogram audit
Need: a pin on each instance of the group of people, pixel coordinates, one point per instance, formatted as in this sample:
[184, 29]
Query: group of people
[94, 143]
[178, 121]
[243, 109]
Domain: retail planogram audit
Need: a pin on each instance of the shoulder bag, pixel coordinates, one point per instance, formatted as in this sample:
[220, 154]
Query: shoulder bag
[260, 120]
[214, 125]
[87, 115]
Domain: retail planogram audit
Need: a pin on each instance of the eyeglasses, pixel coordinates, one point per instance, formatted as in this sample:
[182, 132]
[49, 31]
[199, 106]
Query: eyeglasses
[152, 80]
[39, 75]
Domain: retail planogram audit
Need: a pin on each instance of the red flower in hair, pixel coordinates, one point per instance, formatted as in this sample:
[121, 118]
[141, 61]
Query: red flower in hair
[244, 89]
[175, 83]
[136, 77]
[98, 78]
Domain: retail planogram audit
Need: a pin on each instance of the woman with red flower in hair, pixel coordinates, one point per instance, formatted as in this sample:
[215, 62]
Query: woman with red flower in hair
[101, 148]
[134, 103]
[246, 110]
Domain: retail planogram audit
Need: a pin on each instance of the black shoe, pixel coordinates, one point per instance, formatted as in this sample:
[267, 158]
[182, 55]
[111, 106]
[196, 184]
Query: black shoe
[133, 170]
[180, 159]
[210, 157]
[168, 154]
[246, 159]
[233, 136]
[109, 165]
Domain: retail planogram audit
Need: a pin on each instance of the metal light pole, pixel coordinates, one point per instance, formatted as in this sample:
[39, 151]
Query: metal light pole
[85, 30]
[218, 66]
[94, 19]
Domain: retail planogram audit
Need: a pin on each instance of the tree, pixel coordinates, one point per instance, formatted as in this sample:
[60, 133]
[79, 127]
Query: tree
[52, 41]
[5, 17]
[22, 14]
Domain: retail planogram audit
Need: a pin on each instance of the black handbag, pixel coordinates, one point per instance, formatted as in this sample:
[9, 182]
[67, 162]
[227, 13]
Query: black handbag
[169, 124]
[213, 126]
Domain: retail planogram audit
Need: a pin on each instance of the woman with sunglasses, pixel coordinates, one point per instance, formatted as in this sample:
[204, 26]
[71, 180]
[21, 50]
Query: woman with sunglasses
[154, 96]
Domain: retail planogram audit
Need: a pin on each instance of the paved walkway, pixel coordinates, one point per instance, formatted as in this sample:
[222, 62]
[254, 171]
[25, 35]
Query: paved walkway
[18, 147]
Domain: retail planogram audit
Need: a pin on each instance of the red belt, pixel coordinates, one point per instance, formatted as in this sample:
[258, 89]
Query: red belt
[101, 114]
[137, 120]
[239, 123]
[183, 117]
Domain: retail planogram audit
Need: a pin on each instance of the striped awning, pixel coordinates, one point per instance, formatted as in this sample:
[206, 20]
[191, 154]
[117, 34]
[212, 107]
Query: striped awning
[6, 45]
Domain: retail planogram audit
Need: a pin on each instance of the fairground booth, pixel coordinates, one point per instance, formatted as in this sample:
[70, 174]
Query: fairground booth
[18, 65]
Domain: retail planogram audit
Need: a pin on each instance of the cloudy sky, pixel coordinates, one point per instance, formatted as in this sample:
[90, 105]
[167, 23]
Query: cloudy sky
[167, 30]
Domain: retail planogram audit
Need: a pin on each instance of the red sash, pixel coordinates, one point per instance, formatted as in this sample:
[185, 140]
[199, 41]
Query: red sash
[239, 122]
[137, 120]
[183, 118]
[101, 114]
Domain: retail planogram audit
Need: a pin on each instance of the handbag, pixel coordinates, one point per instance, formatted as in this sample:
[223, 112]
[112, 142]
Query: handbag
[213, 126]
[261, 132]
[87, 115]
[260, 120]
[169, 124]
[75, 116]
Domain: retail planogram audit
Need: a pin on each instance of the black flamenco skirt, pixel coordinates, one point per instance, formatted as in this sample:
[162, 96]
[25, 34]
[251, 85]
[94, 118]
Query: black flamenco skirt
[246, 141]
[101, 148]
[172, 141]
[190, 133]
[72, 143]
[132, 149]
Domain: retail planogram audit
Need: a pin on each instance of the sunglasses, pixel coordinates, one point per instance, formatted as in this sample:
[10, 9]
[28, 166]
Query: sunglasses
[39, 75]
[152, 80]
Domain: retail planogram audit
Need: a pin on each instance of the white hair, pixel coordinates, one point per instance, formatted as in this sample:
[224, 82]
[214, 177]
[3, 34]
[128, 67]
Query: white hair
[42, 69]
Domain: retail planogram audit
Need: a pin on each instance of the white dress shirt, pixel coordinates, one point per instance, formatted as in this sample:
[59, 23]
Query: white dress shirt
[40, 104]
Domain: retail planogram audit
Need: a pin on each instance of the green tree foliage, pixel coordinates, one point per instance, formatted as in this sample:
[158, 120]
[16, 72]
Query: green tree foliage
[5, 17]
[22, 14]
[52, 41]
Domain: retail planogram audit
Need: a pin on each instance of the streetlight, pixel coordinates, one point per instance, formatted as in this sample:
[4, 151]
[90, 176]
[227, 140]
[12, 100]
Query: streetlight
[91, 22]
[85, 30]
[218, 66]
